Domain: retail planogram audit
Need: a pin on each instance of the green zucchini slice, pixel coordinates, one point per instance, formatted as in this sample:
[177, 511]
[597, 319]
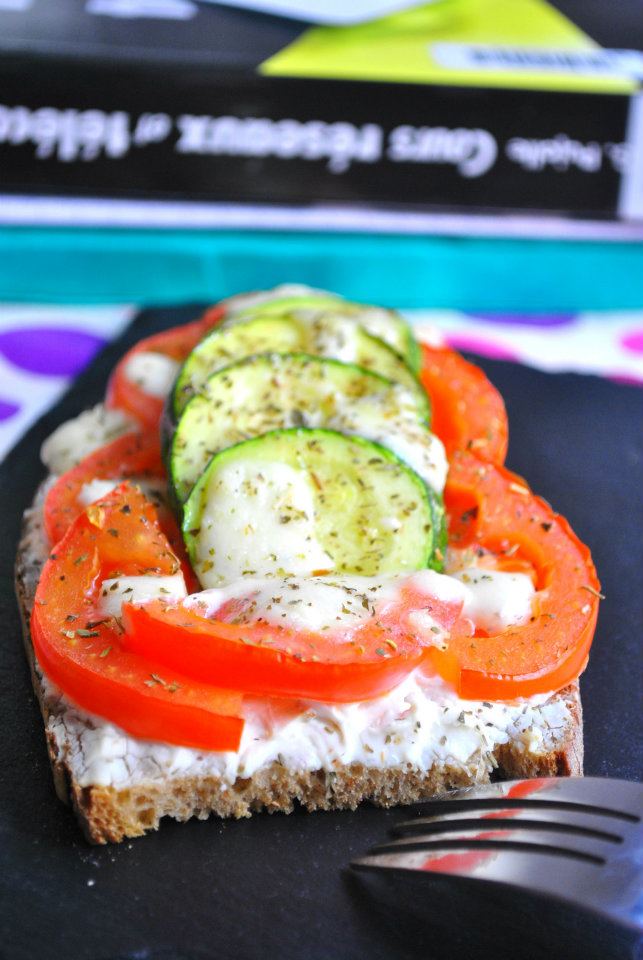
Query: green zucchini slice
[386, 325]
[299, 502]
[335, 337]
[277, 391]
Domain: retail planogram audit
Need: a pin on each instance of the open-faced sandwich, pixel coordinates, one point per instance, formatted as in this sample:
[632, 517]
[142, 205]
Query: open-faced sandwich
[284, 562]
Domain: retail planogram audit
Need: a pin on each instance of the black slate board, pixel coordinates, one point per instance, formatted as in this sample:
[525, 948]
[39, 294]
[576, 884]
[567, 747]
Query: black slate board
[276, 886]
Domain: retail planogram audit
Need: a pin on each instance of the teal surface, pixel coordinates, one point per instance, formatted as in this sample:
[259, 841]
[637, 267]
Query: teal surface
[157, 267]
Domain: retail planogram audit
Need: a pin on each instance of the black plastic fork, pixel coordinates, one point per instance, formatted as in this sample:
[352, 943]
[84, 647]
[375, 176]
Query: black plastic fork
[579, 839]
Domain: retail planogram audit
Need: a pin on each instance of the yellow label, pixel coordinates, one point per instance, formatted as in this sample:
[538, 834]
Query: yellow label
[452, 42]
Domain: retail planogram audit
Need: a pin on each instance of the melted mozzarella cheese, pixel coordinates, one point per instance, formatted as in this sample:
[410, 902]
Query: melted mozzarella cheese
[267, 530]
[495, 599]
[492, 600]
[423, 452]
[425, 332]
[115, 592]
[246, 301]
[77, 438]
[94, 490]
[325, 602]
[153, 372]
[333, 336]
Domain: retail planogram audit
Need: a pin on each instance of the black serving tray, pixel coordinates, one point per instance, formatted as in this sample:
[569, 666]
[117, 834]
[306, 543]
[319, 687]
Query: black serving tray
[277, 886]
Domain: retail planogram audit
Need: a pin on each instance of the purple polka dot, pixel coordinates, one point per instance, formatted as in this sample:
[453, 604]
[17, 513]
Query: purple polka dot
[629, 379]
[633, 342]
[486, 348]
[50, 351]
[527, 319]
[8, 409]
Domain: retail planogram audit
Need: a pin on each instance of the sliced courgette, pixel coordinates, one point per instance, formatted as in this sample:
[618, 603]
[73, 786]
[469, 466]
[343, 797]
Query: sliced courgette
[227, 345]
[297, 502]
[336, 338]
[276, 391]
[387, 325]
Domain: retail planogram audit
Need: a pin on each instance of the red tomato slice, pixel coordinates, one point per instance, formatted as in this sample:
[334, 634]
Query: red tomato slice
[493, 508]
[177, 343]
[133, 455]
[468, 411]
[81, 651]
[261, 659]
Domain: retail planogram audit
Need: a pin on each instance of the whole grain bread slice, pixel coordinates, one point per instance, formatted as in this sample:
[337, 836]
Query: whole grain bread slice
[110, 814]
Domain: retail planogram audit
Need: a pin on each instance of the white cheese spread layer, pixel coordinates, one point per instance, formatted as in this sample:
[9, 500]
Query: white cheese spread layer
[418, 724]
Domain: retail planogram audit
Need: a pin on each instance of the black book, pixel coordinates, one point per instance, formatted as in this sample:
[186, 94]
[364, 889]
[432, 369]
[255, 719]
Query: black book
[237, 114]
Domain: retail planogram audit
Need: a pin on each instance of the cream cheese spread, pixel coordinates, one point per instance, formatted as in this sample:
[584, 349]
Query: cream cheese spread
[95, 490]
[418, 724]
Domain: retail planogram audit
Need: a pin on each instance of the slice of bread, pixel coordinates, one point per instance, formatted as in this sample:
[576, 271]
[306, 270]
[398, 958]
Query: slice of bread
[145, 791]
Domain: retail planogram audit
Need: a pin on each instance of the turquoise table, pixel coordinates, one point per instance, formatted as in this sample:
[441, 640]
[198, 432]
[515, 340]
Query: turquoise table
[166, 266]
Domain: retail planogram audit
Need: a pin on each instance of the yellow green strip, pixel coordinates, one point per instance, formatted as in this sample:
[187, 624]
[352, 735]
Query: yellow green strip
[403, 48]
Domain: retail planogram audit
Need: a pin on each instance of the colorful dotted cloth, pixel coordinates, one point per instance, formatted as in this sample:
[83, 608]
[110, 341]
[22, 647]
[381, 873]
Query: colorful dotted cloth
[43, 348]
[605, 344]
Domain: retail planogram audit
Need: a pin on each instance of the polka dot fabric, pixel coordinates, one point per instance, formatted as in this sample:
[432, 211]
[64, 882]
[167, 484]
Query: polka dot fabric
[605, 344]
[42, 349]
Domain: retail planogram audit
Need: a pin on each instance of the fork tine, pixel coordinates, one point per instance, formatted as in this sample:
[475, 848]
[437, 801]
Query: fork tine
[484, 860]
[543, 870]
[534, 867]
[486, 837]
[554, 818]
[539, 870]
[621, 799]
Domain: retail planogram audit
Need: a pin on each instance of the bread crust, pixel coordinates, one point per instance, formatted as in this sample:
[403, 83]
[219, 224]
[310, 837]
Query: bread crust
[108, 814]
